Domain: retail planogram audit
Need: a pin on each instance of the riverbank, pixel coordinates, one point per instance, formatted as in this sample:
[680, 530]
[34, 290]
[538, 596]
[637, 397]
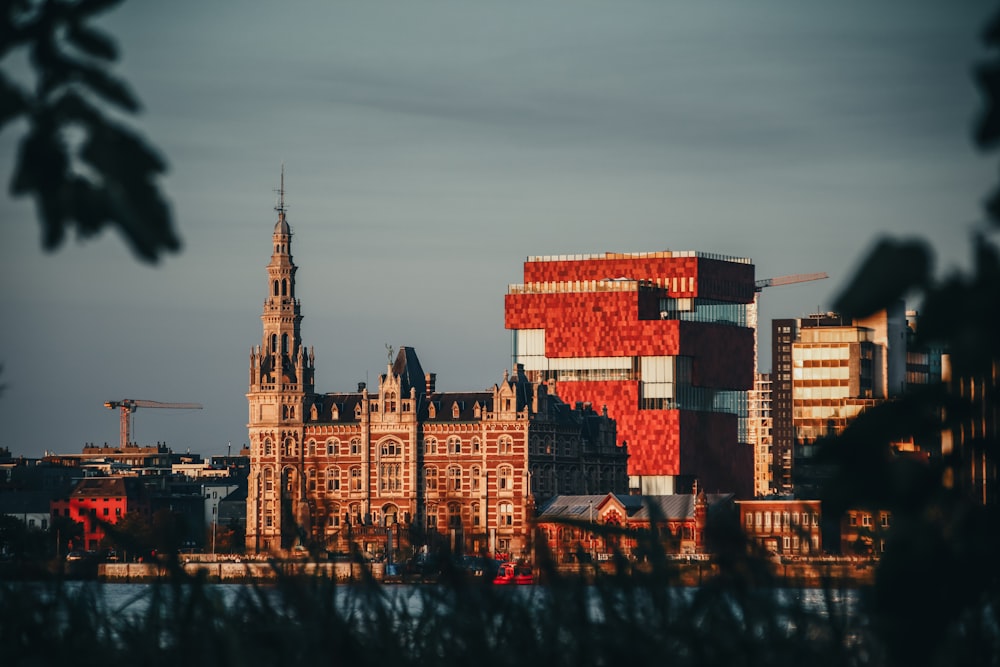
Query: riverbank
[803, 573]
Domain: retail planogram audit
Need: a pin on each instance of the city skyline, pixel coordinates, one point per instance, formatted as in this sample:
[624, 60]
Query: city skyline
[429, 150]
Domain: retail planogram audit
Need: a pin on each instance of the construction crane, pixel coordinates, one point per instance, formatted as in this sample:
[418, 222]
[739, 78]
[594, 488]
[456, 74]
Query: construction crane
[759, 286]
[788, 280]
[130, 405]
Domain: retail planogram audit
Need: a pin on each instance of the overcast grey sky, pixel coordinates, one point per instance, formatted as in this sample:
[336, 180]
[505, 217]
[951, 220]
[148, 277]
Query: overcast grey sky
[431, 146]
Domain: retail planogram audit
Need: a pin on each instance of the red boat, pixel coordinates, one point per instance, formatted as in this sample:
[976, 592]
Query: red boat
[514, 573]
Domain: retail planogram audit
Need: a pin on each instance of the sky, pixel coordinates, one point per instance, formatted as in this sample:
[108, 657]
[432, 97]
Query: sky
[430, 147]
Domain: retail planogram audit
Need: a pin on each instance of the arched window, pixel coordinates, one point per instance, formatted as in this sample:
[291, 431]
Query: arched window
[430, 446]
[454, 445]
[505, 515]
[390, 514]
[275, 288]
[355, 478]
[431, 478]
[476, 446]
[284, 288]
[356, 446]
[333, 479]
[274, 344]
[284, 343]
[454, 478]
[332, 447]
[267, 446]
[505, 478]
[506, 444]
[474, 477]
[392, 448]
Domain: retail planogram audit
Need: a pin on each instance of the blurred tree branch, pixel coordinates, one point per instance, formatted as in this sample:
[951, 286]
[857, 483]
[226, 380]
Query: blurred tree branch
[82, 168]
[937, 581]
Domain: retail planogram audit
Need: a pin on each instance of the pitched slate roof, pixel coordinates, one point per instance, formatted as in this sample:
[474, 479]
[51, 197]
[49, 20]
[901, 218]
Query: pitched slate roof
[639, 508]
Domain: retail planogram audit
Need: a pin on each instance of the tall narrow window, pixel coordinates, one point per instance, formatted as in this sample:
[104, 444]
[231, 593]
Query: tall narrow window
[505, 478]
[505, 513]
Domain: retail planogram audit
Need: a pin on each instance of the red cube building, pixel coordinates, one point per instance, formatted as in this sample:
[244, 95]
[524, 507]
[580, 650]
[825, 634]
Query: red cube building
[663, 340]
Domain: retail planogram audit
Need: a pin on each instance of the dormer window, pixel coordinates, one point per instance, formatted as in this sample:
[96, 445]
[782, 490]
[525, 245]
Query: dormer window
[455, 410]
[477, 410]
[431, 410]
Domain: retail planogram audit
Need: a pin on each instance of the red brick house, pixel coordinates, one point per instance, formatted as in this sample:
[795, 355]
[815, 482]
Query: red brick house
[679, 521]
[100, 500]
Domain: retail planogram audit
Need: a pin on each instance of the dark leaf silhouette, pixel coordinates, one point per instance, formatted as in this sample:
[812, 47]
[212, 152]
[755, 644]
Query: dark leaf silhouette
[891, 270]
[105, 177]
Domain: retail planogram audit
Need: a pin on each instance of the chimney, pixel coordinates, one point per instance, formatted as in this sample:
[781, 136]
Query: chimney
[431, 382]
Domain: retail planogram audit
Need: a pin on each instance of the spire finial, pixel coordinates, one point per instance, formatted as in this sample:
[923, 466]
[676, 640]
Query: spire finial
[280, 208]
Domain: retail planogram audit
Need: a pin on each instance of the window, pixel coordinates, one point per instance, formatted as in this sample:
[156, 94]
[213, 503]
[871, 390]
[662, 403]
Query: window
[312, 448]
[391, 448]
[454, 478]
[474, 476]
[476, 446]
[390, 479]
[430, 446]
[506, 444]
[333, 479]
[311, 476]
[268, 480]
[454, 445]
[866, 520]
[107, 512]
[355, 478]
[505, 513]
[267, 446]
[356, 447]
[885, 520]
[476, 520]
[432, 518]
[331, 447]
[431, 478]
[505, 478]
[454, 515]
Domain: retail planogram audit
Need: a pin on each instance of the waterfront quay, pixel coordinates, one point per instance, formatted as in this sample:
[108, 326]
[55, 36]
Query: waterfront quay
[801, 572]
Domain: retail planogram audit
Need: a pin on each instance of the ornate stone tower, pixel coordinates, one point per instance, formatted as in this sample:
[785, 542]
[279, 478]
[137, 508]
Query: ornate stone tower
[281, 386]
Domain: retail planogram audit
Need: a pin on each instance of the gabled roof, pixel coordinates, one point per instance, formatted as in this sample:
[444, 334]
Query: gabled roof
[638, 508]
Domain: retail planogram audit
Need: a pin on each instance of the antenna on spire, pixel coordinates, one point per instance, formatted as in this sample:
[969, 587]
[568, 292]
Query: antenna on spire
[280, 208]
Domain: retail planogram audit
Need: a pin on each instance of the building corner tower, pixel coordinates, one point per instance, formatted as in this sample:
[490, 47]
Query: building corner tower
[281, 386]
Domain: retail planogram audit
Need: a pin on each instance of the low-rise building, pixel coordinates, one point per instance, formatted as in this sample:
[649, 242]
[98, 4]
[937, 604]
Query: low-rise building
[575, 526]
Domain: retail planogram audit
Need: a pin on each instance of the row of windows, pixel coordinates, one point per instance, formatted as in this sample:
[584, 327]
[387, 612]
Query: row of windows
[334, 447]
[391, 478]
[450, 515]
[776, 520]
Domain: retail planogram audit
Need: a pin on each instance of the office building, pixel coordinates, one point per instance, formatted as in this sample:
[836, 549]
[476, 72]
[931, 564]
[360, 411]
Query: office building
[662, 339]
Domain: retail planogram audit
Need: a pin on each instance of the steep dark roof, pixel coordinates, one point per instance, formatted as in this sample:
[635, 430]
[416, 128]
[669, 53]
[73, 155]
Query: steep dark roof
[411, 375]
[677, 506]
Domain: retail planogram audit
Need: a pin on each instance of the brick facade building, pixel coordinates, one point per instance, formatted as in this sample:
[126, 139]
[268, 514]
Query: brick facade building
[403, 461]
